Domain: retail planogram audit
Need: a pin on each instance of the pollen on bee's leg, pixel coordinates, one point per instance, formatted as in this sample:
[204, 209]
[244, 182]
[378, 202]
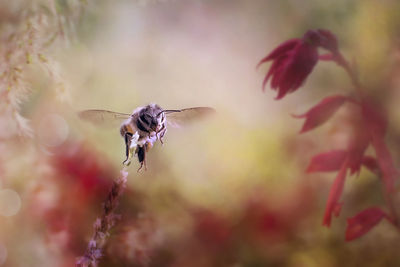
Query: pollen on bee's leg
[127, 162]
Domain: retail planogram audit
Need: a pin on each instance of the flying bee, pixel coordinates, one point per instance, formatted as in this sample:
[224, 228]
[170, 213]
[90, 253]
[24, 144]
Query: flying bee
[145, 125]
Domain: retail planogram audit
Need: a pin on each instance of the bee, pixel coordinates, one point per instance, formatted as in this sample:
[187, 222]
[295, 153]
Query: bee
[145, 125]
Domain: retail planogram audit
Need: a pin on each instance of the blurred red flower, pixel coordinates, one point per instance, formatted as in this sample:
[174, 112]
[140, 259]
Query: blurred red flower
[90, 173]
[211, 228]
[294, 60]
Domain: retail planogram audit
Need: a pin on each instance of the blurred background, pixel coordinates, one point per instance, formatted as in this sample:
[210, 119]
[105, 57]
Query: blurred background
[228, 191]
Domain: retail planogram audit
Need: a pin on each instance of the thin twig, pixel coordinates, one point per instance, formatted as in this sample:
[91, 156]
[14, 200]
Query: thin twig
[103, 224]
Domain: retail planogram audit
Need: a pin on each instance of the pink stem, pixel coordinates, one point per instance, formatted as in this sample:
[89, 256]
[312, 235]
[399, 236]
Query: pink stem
[341, 61]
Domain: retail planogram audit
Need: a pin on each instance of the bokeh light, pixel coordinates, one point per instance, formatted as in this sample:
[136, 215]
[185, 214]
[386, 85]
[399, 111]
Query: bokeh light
[10, 202]
[53, 130]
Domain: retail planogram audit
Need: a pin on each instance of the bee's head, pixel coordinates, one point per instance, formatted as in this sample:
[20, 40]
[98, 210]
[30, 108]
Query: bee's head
[151, 116]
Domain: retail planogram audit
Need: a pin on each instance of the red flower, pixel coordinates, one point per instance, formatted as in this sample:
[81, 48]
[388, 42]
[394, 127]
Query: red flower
[294, 60]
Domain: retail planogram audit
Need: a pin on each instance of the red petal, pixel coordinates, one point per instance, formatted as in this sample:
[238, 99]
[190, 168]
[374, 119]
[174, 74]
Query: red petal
[376, 124]
[280, 65]
[275, 71]
[302, 62]
[321, 112]
[327, 162]
[333, 205]
[280, 50]
[360, 224]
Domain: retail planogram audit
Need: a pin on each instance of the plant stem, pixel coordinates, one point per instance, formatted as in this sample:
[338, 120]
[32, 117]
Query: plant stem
[103, 224]
[341, 61]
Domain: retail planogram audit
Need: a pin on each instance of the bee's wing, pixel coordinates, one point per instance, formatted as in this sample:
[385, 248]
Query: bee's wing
[181, 117]
[103, 117]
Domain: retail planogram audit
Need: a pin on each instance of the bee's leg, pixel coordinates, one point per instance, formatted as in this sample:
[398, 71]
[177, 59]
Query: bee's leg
[127, 161]
[141, 152]
[160, 133]
[143, 163]
[158, 136]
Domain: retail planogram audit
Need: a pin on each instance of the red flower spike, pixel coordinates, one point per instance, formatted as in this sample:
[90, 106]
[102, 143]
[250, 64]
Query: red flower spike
[364, 221]
[333, 205]
[376, 125]
[328, 161]
[321, 112]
